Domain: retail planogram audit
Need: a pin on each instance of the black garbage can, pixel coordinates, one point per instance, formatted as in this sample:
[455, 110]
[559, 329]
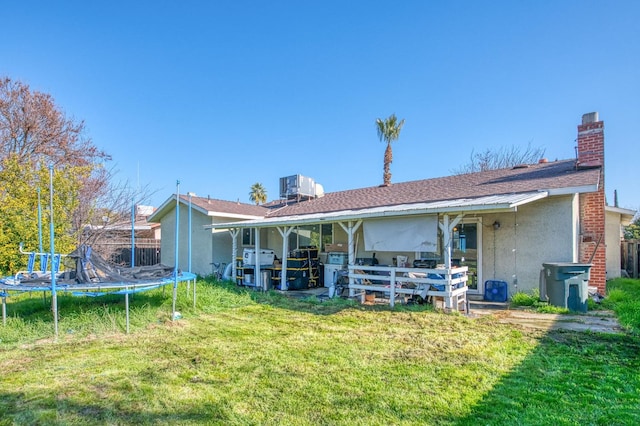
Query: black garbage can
[567, 284]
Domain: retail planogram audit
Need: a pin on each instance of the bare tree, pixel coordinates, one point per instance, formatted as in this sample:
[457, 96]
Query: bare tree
[35, 129]
[492, 159]
[35, 133]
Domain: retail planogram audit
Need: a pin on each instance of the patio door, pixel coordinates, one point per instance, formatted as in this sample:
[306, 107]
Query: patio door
[467, 251]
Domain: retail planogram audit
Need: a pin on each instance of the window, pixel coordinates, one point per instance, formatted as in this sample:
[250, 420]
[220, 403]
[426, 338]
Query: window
[464, 251]
[311, 235]
[248, 237]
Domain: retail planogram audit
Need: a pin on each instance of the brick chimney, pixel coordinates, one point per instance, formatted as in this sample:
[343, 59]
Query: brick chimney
[592, 215]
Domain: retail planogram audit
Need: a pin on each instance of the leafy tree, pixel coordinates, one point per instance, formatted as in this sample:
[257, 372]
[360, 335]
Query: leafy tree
[491, 159]
[258, 194]
[19, 209]
[35, 133]
[388, 132]
[632, 232]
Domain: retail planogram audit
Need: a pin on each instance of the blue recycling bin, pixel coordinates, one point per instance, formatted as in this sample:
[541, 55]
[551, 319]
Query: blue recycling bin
[567, 284]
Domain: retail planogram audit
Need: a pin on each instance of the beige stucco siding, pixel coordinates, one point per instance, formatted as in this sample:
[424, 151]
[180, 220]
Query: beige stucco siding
[613, 236]
[201, 247]
[544, 231]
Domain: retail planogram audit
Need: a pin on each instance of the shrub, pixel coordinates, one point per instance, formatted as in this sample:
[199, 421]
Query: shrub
[521, 298]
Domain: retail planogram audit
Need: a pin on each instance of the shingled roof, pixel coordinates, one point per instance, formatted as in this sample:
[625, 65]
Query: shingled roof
[213, 205]
[558, 176]
[550, 176]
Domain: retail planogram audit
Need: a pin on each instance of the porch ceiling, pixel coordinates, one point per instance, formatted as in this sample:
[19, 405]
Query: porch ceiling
[490, 203]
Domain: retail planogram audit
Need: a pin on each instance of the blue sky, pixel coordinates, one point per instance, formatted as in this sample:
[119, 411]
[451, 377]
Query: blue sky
[221, 95]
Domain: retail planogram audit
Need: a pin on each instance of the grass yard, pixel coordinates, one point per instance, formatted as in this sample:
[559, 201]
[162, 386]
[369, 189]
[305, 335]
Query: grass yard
[247, 358]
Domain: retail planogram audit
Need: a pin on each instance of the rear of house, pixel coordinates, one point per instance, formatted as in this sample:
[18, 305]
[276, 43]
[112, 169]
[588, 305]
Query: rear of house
[502, 225]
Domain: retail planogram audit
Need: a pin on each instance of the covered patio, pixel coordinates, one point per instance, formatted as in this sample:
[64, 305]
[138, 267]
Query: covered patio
[406, 228]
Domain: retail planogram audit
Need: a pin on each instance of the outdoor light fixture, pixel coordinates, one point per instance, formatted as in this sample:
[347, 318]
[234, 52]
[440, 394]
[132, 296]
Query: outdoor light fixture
[496, 225]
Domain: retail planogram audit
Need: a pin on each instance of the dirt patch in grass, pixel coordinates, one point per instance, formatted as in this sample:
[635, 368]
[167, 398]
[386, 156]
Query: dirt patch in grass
[601, 322]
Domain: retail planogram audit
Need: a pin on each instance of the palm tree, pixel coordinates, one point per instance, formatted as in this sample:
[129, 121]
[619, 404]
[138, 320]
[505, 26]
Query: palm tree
[388, 131]
[258, 193]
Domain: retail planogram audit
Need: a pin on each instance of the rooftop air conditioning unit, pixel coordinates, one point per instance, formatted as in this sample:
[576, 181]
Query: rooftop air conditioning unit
[297, 186]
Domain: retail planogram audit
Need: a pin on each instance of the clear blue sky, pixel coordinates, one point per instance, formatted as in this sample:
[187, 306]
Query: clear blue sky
[221, 95]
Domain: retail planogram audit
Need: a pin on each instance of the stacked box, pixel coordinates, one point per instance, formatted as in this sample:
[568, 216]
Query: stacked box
[338, 247]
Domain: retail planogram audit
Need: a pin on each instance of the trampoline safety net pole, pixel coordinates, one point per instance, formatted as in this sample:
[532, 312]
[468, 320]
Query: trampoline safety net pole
[126, 302]
[175, 270]
[54, 296]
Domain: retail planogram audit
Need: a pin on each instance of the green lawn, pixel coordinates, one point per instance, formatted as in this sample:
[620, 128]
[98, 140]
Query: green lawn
[247, 358]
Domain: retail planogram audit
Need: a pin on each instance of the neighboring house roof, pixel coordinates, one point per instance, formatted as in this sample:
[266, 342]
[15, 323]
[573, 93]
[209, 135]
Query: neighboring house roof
[555, 177]
[140, 224]
[626, 215]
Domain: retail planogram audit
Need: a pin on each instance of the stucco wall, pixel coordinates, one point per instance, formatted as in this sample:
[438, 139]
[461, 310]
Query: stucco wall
[612, 234]
[201, 246]
[168, 225]
[544, 231]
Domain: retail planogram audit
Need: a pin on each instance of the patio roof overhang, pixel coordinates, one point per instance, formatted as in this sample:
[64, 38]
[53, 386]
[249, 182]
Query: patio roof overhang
[487, 204]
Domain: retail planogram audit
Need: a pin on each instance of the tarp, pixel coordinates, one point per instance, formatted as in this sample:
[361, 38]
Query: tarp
[401, 234]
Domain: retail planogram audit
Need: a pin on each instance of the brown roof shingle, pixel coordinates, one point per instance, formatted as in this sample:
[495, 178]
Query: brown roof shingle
[543, 176]
[228, 207]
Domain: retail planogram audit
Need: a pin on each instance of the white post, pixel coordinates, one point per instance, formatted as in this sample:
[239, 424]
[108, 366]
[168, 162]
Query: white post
[447, 231]
[351, 229]
[392, 288]
[257, 279]
[284, 284]
[194, 293]
[234, 252]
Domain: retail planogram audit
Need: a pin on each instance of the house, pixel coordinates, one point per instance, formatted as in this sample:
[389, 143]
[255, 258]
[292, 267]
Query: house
[500, 225]
[208, 248]
[113, 238]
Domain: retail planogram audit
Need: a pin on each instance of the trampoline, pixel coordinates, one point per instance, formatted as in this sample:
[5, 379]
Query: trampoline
[87, 274]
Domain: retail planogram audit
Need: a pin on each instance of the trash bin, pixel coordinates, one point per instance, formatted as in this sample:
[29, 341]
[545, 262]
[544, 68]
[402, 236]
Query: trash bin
[266, 280]
[566, 284]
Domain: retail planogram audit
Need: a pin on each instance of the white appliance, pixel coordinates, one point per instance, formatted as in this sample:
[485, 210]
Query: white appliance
[337, 258]
[266, 256]
[331, 274]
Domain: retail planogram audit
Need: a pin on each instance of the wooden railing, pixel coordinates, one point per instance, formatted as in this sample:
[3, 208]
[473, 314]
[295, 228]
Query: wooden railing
[449, 284]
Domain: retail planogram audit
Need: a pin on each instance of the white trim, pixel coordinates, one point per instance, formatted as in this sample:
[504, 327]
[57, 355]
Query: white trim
[492, 203]
[232, 215]
[620, 210]
[572, 190]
